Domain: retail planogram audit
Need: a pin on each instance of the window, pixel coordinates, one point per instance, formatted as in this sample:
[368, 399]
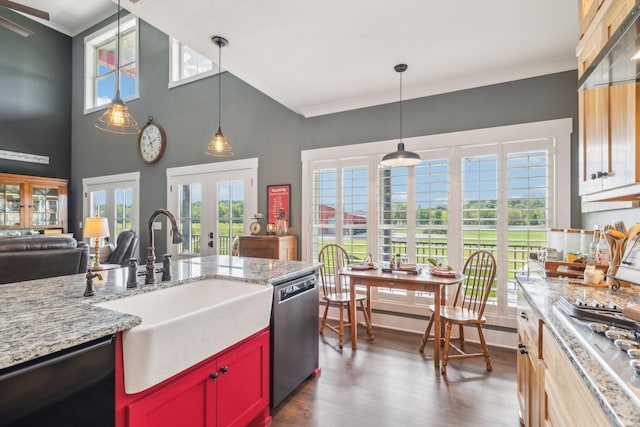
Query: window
[100, 64]
[494, 189]
[187, 65]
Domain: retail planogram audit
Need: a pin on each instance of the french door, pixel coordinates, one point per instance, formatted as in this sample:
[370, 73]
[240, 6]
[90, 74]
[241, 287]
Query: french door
[213, 205]
[114, 197]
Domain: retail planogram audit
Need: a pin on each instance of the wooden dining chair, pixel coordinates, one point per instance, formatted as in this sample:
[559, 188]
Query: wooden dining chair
[468, 307]
[335, 290]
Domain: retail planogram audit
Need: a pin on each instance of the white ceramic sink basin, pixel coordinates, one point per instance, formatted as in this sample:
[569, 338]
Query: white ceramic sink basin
[186, 324]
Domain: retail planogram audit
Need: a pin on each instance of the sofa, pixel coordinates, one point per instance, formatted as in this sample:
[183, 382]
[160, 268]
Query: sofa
[38, 257]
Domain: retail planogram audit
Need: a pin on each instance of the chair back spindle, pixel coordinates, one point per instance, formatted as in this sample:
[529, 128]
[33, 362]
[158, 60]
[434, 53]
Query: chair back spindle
[480, 271]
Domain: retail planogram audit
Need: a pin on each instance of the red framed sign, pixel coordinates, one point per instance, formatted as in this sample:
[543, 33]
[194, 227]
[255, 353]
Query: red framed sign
[278, 197]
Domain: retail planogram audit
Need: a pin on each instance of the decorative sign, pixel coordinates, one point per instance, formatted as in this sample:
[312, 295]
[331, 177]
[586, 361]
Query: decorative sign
[24, 157]
[278, 197]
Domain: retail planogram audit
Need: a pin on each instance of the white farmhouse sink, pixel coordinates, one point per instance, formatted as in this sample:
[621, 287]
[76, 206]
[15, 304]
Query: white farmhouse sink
[186, 324]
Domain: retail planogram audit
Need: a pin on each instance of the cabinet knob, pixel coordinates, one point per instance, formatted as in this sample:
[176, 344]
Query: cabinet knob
[213, 375]
[520, 345]
[224, 369]
[523, 350]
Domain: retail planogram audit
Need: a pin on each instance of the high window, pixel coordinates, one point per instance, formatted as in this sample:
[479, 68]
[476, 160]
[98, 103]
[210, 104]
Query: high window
[495, 189]
[100, 64]
[187, 65]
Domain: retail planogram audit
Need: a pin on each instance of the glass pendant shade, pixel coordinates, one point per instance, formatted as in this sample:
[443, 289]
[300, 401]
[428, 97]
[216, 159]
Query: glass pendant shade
[401, 158]
[116, 119]
[218, 146]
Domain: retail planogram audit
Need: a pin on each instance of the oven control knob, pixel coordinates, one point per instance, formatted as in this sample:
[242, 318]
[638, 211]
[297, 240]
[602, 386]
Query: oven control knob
[224, 369]
[213, 375]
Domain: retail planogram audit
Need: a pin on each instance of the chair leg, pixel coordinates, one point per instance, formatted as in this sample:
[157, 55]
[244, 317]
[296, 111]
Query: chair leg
[367, 321]
[461, 333]
[324, 317]
[445, 352]
[425, 337]
[485, 350]
[341, 326]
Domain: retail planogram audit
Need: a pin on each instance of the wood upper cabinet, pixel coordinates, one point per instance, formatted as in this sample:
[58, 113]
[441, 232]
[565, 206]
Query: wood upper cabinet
[566, 400]
[274, 247]
[30, 202]
[587, 11]
[608, 116]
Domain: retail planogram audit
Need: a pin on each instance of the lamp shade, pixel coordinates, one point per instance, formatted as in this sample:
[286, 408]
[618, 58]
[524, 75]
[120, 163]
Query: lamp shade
[96, 227]
[401, 158]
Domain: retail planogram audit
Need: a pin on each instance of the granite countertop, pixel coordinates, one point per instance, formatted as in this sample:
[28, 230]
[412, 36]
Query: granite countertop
[620, 406]
[44, 316]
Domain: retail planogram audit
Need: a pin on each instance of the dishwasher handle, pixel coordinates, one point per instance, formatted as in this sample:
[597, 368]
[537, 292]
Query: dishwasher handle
[285, 292]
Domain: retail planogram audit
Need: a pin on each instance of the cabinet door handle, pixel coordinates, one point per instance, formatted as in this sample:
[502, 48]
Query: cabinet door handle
[520, 345]
[523, 315]
[213, 375]
[523, 350]
[224, 369]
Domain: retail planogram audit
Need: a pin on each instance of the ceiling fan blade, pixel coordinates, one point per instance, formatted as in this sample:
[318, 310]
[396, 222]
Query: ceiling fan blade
[25, 9]
[15, 27]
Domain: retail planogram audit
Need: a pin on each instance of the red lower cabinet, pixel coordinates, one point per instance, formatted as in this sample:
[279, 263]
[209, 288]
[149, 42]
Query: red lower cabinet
[229, 389]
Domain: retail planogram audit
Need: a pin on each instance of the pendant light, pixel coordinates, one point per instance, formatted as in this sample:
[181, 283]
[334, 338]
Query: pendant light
[401, 157]
[116, 119]
[218, 146]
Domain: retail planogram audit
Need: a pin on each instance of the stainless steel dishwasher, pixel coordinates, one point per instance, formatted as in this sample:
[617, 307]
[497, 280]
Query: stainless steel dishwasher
[294, 335]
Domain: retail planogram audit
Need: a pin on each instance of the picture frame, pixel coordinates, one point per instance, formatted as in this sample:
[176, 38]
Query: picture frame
[278, 197]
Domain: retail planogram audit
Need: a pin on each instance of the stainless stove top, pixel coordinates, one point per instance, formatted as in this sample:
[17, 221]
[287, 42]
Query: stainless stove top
[615, 360]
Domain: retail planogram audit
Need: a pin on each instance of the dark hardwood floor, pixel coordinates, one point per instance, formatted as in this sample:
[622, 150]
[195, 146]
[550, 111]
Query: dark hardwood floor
[387, 382]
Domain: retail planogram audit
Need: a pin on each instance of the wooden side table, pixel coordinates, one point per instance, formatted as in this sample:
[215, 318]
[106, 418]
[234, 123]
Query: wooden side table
[274, 247]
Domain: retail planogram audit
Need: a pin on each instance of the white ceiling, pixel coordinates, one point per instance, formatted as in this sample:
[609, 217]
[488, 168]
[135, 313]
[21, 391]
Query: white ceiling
[334, 55]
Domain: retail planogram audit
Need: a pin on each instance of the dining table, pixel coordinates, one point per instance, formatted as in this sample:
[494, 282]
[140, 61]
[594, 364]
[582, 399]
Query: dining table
[424, 281]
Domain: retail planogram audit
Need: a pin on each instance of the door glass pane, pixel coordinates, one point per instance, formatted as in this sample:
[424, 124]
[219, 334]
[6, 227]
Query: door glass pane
[124, 209]
[44, 206]
[189, 217]
[9, 205]
[230, 204]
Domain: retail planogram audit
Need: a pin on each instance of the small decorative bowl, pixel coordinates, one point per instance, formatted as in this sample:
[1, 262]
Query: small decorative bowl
[635, 364]
[617, 334]
[634, 353]
[624, 344]
[600, 328]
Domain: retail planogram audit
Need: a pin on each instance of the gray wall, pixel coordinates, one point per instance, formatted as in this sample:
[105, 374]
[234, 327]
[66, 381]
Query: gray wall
[35, 102]
[257, 126]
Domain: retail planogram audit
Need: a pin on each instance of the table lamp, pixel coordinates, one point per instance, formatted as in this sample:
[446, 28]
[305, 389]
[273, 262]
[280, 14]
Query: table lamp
[96, 227]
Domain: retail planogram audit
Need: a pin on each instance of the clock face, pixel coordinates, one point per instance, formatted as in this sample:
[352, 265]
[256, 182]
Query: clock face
[151, 143]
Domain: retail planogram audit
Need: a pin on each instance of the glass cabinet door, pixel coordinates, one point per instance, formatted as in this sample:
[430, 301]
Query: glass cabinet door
[10, 205]
[44, 206]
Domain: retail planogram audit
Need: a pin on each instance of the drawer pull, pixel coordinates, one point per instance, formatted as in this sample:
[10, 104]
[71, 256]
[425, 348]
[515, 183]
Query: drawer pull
[523, 315]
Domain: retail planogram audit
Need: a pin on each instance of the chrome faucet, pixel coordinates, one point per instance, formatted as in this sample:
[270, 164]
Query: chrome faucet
[150, 278]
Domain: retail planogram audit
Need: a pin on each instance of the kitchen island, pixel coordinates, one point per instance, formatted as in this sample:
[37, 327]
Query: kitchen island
[45, 316]
[202, 341]
[620, 406]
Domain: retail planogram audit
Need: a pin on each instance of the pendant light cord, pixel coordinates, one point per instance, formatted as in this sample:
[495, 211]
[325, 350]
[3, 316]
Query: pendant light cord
[118, 55]
[219, 86]
[400, 106]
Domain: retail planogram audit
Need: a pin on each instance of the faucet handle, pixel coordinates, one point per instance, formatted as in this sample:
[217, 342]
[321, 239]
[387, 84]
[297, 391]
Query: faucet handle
[132, 281]
[166, 267]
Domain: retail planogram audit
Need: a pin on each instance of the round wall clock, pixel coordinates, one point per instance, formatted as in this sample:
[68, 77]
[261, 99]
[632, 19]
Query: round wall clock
[151, 142]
